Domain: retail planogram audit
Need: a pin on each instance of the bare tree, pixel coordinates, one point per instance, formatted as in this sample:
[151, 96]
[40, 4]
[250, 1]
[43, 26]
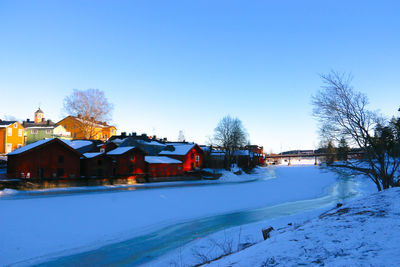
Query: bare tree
[230, 135]
[90, 106]
[342, 114]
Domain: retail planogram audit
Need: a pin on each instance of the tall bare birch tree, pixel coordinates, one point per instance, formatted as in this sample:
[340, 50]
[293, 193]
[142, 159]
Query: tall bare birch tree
[90, 106]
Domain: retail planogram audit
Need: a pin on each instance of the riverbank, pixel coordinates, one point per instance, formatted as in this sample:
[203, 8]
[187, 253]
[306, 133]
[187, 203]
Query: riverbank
[45, 228]
[364, 232]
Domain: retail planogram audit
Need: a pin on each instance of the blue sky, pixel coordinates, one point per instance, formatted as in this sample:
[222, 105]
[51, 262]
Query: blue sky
[183, 65]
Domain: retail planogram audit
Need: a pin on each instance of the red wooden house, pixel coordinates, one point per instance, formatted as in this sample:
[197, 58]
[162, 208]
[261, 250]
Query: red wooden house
[96, 165]
[128, 162]
[191, 155]
[48, 158]
[158, 166]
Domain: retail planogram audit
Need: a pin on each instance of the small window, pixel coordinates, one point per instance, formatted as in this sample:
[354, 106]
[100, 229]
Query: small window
[102, 150]
[192, 156]
[60, 159]
[131, 157]
[19, 132]
[60, 172]
[15, 125]
[74, 135]
[197, 158]
[35, 131]
[9, 131]
[73, 126]
[19, 145]
[48, 131]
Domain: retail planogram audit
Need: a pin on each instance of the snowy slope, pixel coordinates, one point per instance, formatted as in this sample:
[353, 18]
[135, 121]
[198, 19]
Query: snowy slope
[365, 232]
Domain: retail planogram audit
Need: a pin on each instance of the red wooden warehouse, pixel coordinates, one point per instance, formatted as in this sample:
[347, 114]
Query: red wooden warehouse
[191, 155]
[49, 158]
[96, 165]
[128, 162]
[158, 166]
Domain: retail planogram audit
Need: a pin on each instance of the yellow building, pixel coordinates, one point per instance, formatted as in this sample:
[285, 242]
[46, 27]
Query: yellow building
[11, 136]
[83, 129]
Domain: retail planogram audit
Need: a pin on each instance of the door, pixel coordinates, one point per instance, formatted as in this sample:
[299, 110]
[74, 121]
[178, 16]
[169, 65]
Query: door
[9, 148]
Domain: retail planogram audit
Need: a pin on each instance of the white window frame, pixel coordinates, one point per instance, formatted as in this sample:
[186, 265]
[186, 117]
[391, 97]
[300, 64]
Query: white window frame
[34, 131]
[48, 131]
[20, 132]
[197, 158]
[9, 131]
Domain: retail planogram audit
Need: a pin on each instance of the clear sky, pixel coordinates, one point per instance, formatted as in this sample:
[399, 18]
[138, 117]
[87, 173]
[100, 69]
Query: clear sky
[183, 65]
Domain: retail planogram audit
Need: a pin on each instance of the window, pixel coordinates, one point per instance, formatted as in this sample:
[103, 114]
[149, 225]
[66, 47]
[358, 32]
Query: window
[102, 150]
[197, 158]
[34, 131]
[9, 131]
[131, 157]
[15, 125]
[19, 132]
[192, 156]
[60, 172]
[48, 131]
[74, 135]
[60, 159]
[19, 145]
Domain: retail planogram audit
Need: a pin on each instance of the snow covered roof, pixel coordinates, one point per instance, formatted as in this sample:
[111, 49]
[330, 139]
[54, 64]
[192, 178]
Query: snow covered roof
[158, 159]
[153, 143]
[180, 149]
[30, 146]
[241, 153]
[120, 150]
[90, 155]
[4, 124]
[77, 144]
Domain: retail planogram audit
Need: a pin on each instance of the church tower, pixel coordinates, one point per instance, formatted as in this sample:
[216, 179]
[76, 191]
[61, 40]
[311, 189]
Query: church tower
[39, 116]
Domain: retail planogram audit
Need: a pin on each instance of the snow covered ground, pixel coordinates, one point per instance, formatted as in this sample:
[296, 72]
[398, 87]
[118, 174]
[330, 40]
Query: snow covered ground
[364, 232]
[35, 229]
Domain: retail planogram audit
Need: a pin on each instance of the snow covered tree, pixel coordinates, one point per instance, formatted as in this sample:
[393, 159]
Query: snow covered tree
[342, 113]
[90, 106]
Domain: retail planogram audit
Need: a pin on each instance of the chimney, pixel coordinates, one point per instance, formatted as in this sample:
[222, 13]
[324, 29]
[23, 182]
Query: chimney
[48, 122]
[43, 119]
[134, 134]
[154, 137]
[123, 134]
[27, 120]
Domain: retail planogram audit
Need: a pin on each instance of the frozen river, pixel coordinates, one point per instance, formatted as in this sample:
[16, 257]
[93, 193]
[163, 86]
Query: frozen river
[133, 227]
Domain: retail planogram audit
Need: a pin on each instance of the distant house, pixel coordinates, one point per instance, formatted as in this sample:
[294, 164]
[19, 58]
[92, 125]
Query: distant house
[96, 164]
[11, 136]
[190, 154]
[159, 166]
[48, 158]
[42, 129]
[128, 162]
[94, 130]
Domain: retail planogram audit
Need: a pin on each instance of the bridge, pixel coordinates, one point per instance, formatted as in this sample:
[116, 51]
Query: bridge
[310, 155]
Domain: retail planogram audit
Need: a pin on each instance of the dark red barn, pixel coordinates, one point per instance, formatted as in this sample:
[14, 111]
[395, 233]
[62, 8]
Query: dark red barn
[48, 158]
[191, 155]
[128, 162]
[96, 165]
[158, 166]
